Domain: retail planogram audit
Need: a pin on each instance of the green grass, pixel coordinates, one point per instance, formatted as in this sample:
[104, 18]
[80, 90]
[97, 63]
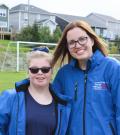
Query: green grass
[8, 79]
[4, 42]
[12, 46]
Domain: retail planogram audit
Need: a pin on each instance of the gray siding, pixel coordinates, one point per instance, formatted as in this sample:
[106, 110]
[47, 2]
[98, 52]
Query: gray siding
[5, 19]
[14, 21]
[112, 25]
[20, 14]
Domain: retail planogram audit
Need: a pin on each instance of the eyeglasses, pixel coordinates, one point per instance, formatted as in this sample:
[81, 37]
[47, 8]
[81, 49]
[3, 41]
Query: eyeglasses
[35, 70]
[81, 41]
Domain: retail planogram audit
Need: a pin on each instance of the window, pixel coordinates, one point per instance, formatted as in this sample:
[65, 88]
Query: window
[3, 12]
[97, 30]
[38, 17]
[3, 24]
[26, 8]
[26, 16]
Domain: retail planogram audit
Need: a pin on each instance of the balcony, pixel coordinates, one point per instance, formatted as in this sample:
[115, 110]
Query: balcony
[5, 34]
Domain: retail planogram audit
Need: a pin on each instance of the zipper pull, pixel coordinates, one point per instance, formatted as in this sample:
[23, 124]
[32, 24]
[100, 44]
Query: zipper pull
[76, 91]
[85, 76]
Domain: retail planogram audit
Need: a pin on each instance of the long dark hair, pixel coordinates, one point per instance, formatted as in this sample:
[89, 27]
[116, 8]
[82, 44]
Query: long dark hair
[61, 51]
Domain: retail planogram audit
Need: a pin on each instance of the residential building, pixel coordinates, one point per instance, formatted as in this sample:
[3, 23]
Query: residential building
[4, 22]
[112, 25]
[63, 19]
[49, 23]
[23, 15]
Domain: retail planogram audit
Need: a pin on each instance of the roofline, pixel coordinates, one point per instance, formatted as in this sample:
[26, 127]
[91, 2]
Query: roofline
[4, 5]
[97, 15]
[62, 18]
[29, 12]
[47, 20]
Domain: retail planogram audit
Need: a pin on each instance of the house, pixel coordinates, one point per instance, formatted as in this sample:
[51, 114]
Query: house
[49, 23]
[4, 22]
[62, 20]
[23, 15]
[112, 25]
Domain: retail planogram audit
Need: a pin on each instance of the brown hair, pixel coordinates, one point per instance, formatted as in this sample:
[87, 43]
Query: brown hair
[61, 50]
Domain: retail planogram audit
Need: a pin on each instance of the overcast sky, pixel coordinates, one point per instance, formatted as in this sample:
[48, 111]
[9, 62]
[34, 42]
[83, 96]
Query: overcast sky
[73, 7]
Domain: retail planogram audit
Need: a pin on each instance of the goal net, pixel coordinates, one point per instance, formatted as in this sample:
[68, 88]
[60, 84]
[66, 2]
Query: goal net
[13, 57]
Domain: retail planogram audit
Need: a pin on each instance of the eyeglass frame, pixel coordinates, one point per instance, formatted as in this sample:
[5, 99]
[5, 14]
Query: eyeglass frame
[42, 69]
[77, 41]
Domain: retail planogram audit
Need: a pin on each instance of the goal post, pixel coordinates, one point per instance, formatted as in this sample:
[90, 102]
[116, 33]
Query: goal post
[18, 45]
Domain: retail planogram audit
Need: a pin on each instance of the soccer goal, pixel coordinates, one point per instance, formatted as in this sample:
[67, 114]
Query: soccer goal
[13, 58]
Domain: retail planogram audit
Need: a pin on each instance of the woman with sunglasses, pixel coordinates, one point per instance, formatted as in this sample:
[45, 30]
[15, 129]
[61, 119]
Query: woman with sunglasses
[91, 78]
[32, 108]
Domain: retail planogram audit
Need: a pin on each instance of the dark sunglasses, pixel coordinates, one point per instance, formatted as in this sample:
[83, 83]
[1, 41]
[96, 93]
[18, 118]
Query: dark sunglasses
[35, 70]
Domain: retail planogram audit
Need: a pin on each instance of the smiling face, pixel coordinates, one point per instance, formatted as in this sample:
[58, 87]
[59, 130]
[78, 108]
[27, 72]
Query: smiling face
[79, 44]
[39, 79]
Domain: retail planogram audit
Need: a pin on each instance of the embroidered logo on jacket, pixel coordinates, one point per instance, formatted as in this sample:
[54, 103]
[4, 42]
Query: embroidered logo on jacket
[100, 86]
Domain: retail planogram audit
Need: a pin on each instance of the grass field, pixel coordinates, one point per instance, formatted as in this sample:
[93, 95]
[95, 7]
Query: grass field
[4, 42]
[8, 79]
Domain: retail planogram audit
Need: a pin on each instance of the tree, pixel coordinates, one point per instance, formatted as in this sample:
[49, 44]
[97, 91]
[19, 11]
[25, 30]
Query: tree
[44, 34]
[35, 33]
[117, 43]
[29, 33]
[41, 34]
[57, 34]
[25, 34]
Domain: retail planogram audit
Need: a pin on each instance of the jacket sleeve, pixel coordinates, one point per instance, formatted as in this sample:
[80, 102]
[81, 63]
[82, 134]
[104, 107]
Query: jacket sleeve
[115, 89]
[5, 109]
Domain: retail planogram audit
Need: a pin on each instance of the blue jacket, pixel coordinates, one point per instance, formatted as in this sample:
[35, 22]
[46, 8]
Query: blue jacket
[96, 94]
[12, 111]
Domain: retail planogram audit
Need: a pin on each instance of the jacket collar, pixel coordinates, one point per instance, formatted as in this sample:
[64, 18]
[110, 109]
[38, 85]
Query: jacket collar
[22, 85]
[63, 99]
[95, 60]
[59, 98]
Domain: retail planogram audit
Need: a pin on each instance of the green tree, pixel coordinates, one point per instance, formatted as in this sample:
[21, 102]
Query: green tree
[35, 33]
[44, 34]
[57, 34]
[114, 50]
[117, 43]
[25, 34]
[29, 33]
[41, 34]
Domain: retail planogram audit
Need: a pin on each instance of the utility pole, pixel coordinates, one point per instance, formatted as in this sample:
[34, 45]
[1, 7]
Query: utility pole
[28, 12]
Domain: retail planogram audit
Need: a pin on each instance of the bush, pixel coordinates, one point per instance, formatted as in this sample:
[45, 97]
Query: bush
[29, 34]
[114, 50]
[41, 34]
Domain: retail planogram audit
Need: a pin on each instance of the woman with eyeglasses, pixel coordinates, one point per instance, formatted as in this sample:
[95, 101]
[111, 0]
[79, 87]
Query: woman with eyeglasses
[33, 108]
[91, 78]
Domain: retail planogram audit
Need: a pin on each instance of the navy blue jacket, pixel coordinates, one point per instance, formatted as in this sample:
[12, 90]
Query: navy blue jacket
[12, 111]
[96, 94]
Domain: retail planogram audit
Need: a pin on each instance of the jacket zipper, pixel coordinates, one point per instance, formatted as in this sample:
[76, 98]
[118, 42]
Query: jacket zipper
[84, 103]
[112, 129]
[60, 122]
[76, 90]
